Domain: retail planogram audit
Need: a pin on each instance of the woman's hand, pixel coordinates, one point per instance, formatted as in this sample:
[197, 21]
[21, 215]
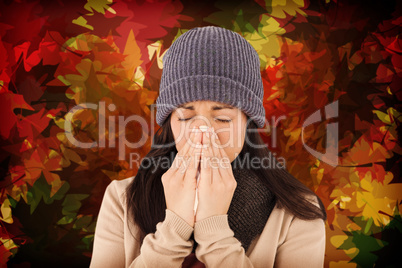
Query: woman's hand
[179, 181]
[217, 183]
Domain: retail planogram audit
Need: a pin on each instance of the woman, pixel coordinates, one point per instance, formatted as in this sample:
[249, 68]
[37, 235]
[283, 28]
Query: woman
[215, 204]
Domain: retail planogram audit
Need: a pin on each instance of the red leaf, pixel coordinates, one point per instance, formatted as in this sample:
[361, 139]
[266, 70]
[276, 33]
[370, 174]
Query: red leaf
[8, 102]
[31, 126]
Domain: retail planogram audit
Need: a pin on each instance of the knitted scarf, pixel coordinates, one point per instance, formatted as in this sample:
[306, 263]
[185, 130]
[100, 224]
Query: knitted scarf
[250, 208]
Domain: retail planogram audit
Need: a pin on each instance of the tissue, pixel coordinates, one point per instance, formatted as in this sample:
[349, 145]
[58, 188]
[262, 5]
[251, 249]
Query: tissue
[203, 129]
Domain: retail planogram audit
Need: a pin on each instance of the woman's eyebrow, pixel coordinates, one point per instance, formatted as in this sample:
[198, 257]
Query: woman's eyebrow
[213, 108]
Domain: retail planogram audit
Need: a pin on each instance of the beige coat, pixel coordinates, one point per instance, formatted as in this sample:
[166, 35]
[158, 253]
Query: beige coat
[286, 241]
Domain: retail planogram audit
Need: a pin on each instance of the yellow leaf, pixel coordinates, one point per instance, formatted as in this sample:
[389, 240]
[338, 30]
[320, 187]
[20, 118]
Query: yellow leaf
[8, 243]
[337, 240]
[383, 117]
[155, 49]
[133, 56]
[99, 6]
[6, 215]
[265, 39]
[280, 7]
[342, 264]
[139, 77]
[81, 21]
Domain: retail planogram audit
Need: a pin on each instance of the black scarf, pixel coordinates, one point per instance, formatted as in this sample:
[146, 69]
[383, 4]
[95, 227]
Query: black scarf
[250, 208]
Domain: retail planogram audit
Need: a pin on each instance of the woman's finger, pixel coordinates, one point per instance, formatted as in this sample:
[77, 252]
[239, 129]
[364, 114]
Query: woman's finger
[195, 154]
[205, 171]
[225, 167]
[215, 148]
[215, 158]
[179, 160]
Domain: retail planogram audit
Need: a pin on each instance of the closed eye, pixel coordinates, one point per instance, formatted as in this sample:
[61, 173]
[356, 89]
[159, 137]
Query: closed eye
[224, 120]
[221, 120]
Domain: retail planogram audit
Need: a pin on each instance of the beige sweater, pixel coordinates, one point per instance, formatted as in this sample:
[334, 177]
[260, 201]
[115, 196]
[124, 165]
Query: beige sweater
[286, 241]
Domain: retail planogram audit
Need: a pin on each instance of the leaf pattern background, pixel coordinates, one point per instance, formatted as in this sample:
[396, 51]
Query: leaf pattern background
[58, 54]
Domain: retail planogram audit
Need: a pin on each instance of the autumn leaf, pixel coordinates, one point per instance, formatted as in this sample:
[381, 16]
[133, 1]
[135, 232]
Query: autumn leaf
[41, 190]
[8, 103]
[133, 55]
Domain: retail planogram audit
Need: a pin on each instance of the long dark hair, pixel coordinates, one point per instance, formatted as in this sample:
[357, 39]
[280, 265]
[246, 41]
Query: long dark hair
[146, 198]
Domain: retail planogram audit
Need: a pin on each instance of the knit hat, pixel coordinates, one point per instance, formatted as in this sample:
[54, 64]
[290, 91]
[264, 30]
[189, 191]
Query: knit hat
[211, 63]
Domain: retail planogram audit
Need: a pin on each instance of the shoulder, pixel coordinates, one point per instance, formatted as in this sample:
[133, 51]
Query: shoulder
[116, 189]
[318, 222]
[304, 239]
[310, 231]
[121, 185]
[288, 225]
[288, 215]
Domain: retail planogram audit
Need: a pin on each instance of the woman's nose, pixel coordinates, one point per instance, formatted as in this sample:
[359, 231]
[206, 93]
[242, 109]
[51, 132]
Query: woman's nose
[201, 121]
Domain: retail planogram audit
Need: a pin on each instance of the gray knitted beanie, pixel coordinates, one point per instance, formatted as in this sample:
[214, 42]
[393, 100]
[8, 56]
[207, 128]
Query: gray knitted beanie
[211, 63]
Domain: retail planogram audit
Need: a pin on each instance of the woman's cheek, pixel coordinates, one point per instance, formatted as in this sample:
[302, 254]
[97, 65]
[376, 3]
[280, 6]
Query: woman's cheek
[224, 139]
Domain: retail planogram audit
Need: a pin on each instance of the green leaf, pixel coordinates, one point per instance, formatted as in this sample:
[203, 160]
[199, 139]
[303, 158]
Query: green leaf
[375, 246]
[82, 222]
[71, 205]
[41, 190]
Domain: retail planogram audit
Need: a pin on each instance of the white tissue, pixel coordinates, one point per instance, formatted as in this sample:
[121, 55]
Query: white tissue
[203, 129]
